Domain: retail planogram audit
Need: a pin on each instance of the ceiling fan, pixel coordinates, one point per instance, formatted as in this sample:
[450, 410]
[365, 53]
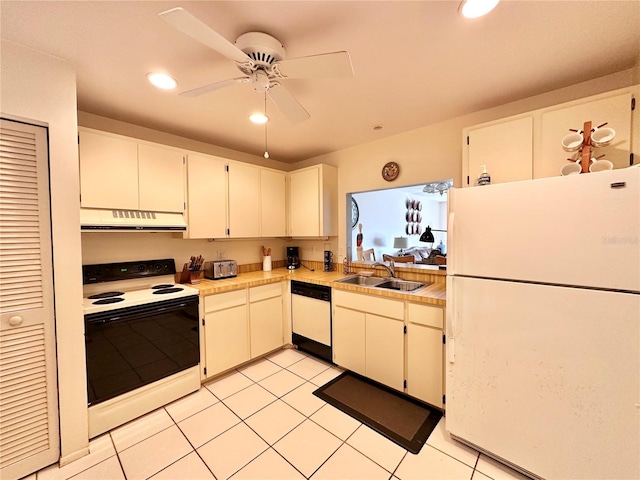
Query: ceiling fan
[262, 60]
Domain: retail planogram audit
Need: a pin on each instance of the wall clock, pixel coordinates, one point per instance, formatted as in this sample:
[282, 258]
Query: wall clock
[355, 213]
[390, 171]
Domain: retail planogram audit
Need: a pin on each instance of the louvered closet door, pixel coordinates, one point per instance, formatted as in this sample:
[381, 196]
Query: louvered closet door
[29, 438]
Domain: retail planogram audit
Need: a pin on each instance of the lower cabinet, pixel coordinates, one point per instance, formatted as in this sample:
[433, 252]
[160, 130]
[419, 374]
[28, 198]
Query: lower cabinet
[368, 337]
[265, 318]
[226, 331]
[425, 353]
[396, 343]
[240, 325]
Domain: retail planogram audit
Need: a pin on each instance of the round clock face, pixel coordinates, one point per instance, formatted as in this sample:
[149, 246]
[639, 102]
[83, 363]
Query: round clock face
[355, 213]
[390, 171]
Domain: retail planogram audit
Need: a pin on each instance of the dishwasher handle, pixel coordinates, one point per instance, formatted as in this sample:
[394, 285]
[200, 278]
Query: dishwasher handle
[319, 292]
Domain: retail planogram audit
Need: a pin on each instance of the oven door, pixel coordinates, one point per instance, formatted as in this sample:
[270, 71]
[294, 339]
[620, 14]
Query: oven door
[128, 348]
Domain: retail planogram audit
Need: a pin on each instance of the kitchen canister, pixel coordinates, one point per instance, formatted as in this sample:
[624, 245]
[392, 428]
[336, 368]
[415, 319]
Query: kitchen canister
[266, 263]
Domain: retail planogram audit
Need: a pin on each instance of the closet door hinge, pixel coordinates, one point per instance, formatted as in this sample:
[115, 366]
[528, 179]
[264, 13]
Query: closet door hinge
[405, 384]
[205, 370]
[444, 339]
[203, 322]
[405, 329]
[444, 399]
[631, 159]
[467, 139]
[226, 168]
[633, 103]
[228, 231]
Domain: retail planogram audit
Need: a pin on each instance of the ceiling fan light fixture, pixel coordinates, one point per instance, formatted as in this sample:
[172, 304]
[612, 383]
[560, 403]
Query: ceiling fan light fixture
[258, 118]
[476, 8]
[162, 80]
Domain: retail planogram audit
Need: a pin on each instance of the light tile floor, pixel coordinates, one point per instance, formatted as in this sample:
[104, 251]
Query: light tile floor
[262, 421]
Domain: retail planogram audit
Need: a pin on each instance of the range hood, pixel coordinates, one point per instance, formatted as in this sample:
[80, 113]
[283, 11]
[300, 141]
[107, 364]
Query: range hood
[96, 219]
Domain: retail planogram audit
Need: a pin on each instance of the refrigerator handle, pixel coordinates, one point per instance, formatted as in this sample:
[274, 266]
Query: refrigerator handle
[451, 241]
[450, 315]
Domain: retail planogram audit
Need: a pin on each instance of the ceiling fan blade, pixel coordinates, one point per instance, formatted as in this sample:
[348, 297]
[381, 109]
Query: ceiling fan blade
[214, 86]
[182, 20]
[326, 65]
[287, 103]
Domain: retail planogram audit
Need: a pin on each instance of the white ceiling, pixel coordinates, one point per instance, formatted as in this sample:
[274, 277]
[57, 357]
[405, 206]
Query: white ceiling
[415, 62]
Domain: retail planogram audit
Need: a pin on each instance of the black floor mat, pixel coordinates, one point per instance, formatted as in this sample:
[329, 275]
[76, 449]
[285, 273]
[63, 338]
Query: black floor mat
[401, 419]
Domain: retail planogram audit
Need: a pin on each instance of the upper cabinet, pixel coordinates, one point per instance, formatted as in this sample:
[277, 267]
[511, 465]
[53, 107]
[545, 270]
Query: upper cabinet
[227, 199]
[555, 124]
[505, 148]
[244, 200]
[313, 198]
[206, 196]
[122, 173]
[273, 204]
[529, 145]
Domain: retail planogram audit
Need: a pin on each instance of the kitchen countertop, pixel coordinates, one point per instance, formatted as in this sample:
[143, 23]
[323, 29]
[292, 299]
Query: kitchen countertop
[434, 294]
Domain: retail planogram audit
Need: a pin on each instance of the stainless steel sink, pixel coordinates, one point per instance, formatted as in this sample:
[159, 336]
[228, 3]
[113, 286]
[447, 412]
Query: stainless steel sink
[362, 280]
[402, 285]
[386, 283]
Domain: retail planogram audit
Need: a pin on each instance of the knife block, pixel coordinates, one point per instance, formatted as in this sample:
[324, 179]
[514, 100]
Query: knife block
[187, 276]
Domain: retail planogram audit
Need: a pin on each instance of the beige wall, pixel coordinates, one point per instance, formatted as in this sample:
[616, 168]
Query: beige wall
[435, 152]
[40, 89]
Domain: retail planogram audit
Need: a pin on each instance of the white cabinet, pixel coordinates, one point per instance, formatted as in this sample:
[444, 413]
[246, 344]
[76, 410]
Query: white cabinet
[206, 196]
[368, 337]
[506, 148]
[425, 353]
[108, 171]
[226, 331]
[384, 353]
[313, 198]
[124, 173]
[349, 339]
[528, 145]
[227, 199]
[615, 110]
[265, 318]
[240, 325]
[244, 200]
[160, 178]
[273, 204]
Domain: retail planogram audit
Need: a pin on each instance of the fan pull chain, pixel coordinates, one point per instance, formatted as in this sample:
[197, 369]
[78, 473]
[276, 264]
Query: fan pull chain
[266, 151]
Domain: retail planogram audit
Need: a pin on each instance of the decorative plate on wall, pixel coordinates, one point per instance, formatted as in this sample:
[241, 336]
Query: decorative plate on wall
[355, 213]
[390, 171]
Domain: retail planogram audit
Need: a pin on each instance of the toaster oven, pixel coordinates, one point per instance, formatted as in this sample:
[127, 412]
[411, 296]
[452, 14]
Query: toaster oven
[220, 269]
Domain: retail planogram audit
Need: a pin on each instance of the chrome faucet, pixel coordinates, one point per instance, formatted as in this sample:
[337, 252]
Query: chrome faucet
[390, 268]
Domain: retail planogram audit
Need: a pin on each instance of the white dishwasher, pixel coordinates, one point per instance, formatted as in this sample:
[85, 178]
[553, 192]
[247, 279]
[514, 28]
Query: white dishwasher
[311, 318]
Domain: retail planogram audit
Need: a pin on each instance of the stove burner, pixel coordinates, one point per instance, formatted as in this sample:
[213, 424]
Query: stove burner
[105, 295]
[167, 290]
[162, 286]
[108, 300]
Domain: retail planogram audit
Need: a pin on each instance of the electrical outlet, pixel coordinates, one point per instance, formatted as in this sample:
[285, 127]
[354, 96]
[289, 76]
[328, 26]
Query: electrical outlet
[313, 249]
[222, 255]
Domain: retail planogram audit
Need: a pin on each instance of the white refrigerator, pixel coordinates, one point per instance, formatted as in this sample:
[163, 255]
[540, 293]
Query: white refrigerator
[543, 324]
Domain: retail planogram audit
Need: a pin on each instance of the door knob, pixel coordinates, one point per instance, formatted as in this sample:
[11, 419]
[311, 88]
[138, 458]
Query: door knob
[15, 320]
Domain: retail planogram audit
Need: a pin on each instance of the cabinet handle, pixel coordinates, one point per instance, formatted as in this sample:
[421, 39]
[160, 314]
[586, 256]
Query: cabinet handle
[15, 320]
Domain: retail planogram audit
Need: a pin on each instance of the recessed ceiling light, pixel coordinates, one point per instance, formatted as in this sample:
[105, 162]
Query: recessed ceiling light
[477, 8]
[258, 118]
[162, 80]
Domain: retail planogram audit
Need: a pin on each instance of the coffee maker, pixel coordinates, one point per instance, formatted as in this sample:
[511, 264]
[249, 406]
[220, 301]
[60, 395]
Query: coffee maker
[293, 258]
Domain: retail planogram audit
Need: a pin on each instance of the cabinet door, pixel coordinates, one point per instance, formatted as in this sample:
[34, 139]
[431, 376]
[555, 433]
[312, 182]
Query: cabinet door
[244, 201]
[108, 171]
[304, 203]
[616, 111]
[227, 339]
[265, 319]
[161, 179]
[349, 339]
[506, 149]
[207, 196]
[272, 203]
[384, 339]
[424, 363]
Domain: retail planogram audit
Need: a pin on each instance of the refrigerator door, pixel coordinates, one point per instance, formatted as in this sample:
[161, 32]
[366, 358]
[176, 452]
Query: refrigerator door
[546, 378]
[576, 230]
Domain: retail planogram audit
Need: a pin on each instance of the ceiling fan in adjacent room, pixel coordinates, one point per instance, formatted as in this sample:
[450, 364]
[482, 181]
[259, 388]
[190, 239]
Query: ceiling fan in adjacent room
[262, 60]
